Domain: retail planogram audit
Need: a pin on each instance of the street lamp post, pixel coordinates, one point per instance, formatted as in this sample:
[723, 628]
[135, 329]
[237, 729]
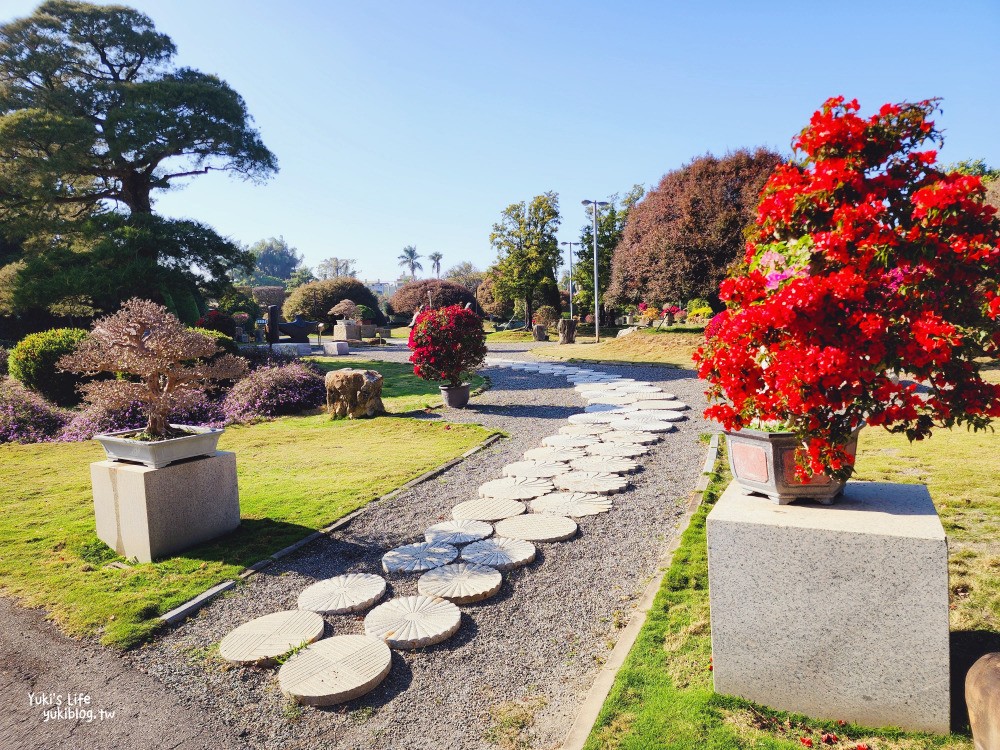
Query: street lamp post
[571, 244]
[597, 313]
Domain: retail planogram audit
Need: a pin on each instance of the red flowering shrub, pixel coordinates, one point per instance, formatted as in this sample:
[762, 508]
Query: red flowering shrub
[867, 262]
[446, 342]
[216, 320]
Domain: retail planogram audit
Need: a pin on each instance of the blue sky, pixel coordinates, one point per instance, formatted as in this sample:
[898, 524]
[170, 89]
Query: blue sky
[401, 123]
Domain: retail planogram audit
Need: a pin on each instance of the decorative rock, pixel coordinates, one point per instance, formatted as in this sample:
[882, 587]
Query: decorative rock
[567, 331]
[459, 531]
[515, 488]
[591, 418]
[487, 509]
[413, 621]
[630, 436]
[554, 453]
[659, 416]
[613, 464]
[335, 670]
[538, 527]
[535, 469]
[623, 423]
[539, 333]
[354, 393]
[569, 441]
[416, 558]
[619, 450]
[461, 583]
[582, 429]
[575, 504]
[500, 553]
[336, 348]
[264, 639]
[637, 388]
[599, 482]
[353, 592]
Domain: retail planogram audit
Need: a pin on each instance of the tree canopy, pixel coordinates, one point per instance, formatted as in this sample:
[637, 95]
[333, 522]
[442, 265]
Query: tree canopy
[333, 267]
[466, 274]
[275, 258]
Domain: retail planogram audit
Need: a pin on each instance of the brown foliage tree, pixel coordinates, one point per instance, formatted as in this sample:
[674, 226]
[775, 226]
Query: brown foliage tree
[169, 361]
[490, 305]
[680, 239]
[443, 294]
[314, 301]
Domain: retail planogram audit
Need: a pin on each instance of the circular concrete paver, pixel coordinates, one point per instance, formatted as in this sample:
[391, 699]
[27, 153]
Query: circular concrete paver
[335, 670]
[515, 488]
[535, 469]
[458, 531]
[574, 504]
[624, 423]
[352, 592]
[487, 509]
[264, 639]
[598, 482]
[668, 415]
[630, 436]
[594, 417]
[598, 407]
[637, 388]
[554, 453]
[619, 450]
[613, 464]
[570, 441]
[538, 527]
[665, 405]
[610, 398]
[582, 429]
[416, 558]
[461, 583]
[413, 621]
[500, 553]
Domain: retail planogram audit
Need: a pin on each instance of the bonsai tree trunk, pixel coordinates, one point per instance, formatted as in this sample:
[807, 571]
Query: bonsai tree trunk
[157, 423]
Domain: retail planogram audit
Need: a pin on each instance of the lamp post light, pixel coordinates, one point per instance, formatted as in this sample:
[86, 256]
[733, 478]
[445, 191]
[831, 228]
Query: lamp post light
[597, 313]
[571, 245]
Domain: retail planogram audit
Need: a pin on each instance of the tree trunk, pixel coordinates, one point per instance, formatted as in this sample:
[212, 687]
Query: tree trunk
[157, 424]
[528, 310]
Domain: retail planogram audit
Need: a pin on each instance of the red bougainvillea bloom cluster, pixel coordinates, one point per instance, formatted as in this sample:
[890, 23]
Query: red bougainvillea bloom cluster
[870, 288]
[446, 342]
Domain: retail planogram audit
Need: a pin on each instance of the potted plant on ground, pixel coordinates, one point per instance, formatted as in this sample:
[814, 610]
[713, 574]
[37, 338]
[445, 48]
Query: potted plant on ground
[868, 295]
[448, 342]
[159, 363]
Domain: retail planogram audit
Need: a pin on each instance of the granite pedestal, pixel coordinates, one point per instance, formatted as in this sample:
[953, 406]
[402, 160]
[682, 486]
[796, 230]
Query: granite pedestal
[834, 612]
[336, 348]
[146, 513]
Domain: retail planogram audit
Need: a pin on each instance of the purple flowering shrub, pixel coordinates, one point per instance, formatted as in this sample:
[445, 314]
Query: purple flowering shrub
[96, 420]
[274, 391]
[26, 417]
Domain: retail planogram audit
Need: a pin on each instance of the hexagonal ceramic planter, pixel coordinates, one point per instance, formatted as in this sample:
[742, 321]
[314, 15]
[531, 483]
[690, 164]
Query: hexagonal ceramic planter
[159, 453]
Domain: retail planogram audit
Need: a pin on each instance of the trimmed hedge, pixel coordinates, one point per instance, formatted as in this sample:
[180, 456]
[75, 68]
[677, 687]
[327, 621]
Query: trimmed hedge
[314, 300]
[444, 293]
[33, 363]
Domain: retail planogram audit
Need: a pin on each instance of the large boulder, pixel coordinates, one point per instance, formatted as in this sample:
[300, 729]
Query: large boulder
[539, 332]
[567, 331]
[982, 696]
[354, 393]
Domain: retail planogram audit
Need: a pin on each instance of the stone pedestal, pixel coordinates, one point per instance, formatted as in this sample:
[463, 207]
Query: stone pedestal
[567, 331]
[347, 332]
[335, 348]
[539, 333]
[368, 330]
[834, 612]
[146, 513]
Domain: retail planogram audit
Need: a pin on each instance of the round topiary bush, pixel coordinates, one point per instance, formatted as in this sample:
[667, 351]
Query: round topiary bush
[226, 343]
[364, 313]
[546, 315]
[33, 363]
[314, 300]
[274, 391]
[25, 417]
[447, 342]
[443, 293]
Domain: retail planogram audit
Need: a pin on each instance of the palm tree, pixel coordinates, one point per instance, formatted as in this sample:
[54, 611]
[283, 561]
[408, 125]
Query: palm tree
[435, 259]
[409, 260]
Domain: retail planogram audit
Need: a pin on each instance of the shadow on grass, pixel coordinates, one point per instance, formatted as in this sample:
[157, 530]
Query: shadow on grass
[255, 539]
[967, 646]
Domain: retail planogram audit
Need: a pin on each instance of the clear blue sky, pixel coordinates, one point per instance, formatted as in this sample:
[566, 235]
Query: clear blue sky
[401, 123]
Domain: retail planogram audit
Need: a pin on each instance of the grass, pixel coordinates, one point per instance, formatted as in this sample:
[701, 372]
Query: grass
[504, 337]
[296, 474]
[673, 348]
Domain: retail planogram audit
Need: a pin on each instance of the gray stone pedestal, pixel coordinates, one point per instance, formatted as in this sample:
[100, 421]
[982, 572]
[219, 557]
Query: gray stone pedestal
[346, 332]
[835, 612]
[146, 513]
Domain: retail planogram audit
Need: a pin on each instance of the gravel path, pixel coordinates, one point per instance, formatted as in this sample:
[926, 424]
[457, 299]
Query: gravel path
[526, 656]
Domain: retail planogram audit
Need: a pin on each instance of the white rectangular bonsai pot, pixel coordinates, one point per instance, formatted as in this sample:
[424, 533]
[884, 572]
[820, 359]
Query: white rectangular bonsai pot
[156, 454]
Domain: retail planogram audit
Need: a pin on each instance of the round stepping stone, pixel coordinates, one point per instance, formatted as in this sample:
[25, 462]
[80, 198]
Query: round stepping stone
[598, 482]
[353, 592]
[630, 436]
[582, 429]
[598, 407]
[624, 423]
[554, 453]
[535, 469]
[335, 670]
[637, 388]
[659, 396]
[413, 621]
[613, 464]
[611, 398]
[459, 531]
[667, 405]
[416, 558]
[570, 441]
[538, 527]
[608, 384]
[487, 509]
[515, 488]
[575, 504]
[461, 583]
[619, 450]
[591, 418]
[264, 639]
[500, 553]
[660, 416]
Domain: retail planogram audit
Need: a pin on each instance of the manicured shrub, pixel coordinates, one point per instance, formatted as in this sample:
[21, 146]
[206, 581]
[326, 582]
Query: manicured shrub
[364, 313]
[274, 391]
[314, 301]
[447, 342]
[236, 301]
[489, 302]
[545, 315]
[226, 343]
[25, 417]
[443, 293]
[266, 296]
[34, 362]
[265, 356]
[217, 320]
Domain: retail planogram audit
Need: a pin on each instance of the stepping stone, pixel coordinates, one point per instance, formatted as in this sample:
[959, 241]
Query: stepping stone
[335, 670]
[582, 429]
[630, 436]
[416, 558]
[610, 397]
[598, 482]
[500, 553]
[570, 441]
[613, 464]
[660, 416]
[538, 527]
[458, 532]
[353, 592]
[661, 396]
[413, 621]
[602, 385]
[515, 488]
[535, 469]
[591, 418]
[487, 509]
[645, 405]
[461, 583]
[264, 639]
[623, 423]
[618, 450]
[555, 453]
[575, 504]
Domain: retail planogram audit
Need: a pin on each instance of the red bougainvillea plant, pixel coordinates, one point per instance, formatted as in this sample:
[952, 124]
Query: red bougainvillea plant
[447, 342]
[867, 265]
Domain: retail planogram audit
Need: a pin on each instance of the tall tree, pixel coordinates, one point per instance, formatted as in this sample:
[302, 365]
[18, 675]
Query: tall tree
[409, 259]
[528, 254]
[301, 275]
[333, 267]
[466, 274]
[275, 257]
[435, 259]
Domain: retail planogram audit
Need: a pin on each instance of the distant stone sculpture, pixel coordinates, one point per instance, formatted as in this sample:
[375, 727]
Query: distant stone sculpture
[539, 332]
[297, 331]
[354, 393]
[567, 331]
[982, 696]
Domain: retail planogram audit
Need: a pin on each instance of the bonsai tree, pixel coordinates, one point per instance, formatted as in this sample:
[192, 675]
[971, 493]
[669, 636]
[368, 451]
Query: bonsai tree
[345, 308]
[157, 360]
[447, 342]
[867, 264]
[363, 313]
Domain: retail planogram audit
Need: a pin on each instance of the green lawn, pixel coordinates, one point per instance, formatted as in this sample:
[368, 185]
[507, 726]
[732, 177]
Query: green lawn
[296, 474]
[673, 347]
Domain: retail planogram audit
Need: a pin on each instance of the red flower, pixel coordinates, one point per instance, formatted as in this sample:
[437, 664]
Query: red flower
[806, 741]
